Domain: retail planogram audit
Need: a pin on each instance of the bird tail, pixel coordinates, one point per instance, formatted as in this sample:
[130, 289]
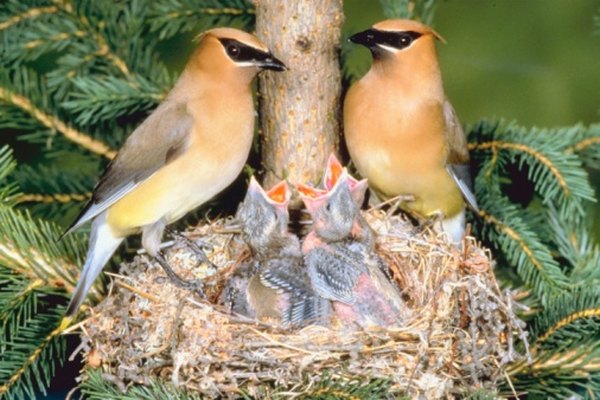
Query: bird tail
[102, 246]
[308, 308]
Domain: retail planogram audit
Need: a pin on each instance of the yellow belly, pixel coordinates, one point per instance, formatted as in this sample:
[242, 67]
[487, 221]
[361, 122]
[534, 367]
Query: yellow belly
[401, 150]
[179, 187]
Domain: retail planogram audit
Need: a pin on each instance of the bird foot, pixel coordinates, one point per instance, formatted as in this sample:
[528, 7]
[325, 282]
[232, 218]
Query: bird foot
[196, 286]
[196, 248]
[431, 221]
[397, 202]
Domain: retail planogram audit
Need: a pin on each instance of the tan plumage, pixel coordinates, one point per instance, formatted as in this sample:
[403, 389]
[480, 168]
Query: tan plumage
[402, 133]
[188, 150]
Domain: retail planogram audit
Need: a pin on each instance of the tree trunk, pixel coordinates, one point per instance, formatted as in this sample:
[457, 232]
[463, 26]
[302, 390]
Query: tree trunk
[300, 108]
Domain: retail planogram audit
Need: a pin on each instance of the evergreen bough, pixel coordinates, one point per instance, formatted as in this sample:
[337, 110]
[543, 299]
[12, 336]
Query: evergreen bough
[76, 78]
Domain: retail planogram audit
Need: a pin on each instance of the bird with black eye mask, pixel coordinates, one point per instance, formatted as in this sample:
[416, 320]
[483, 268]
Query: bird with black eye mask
[403, 134]
[188, 150]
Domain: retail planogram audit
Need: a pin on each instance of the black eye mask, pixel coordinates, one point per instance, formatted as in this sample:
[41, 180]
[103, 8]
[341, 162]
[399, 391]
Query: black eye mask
[371, 38]
[240, 52]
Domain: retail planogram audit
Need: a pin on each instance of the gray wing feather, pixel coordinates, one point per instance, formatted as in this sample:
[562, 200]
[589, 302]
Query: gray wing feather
[304, 304]
[458, 155]
[332, 276]
[461, 174]
[161, 138]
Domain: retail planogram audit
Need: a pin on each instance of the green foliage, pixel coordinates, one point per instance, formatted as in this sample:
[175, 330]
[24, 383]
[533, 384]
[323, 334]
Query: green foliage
[170, 17]
[329, 389]
[77, 76]
[565, 340]
[96, 386]
[34, 269]
[422, 10]
[560, 183]
[30, 346]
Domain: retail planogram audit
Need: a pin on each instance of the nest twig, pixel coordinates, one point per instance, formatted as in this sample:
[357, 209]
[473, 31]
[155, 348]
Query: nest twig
[461, 334]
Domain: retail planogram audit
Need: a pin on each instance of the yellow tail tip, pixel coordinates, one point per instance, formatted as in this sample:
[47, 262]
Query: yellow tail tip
[65, 323]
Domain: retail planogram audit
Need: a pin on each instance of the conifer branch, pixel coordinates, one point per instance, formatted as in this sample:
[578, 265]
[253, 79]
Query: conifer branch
[583, 144]
[52, 198]
[20, 298]
[496, 145]
[32, 359]
[31, 13]
[523, 245]
[568, 320]
[104, 49]
[53, 122]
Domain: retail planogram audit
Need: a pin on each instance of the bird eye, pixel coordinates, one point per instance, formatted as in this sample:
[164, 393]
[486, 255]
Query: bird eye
[233, 50]
[405, 40]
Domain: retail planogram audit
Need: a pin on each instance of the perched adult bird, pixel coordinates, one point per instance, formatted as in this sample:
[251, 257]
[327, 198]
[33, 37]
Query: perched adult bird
[280, 287]
[188, 150]
[341, 261]
[402, 133]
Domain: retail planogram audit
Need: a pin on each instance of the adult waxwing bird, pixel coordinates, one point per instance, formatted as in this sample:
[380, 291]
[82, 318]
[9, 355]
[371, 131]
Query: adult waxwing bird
[188, 150]
[343, 268]
[280, 288]
[402, 133]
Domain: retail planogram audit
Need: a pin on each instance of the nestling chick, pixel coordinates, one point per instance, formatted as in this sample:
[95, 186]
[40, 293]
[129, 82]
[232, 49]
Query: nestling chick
[280, 287]
[188, 150]
[402, 133]
[341, 264]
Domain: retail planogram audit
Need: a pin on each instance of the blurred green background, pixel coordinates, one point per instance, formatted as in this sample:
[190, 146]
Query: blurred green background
[535, 61]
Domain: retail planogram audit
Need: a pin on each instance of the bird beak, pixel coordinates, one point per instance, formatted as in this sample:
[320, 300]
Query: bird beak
[279, 193]
[254, 189]
[366, 38]
[332, 171]
[272, 63]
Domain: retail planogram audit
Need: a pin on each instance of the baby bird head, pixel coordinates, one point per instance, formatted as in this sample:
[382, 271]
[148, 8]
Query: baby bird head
[264, 216]
[333, 211]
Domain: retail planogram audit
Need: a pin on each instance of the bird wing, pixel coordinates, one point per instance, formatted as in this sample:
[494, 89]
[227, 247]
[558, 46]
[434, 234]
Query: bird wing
[304, 304]
[159, 140]
[458, 155]
[334, 273]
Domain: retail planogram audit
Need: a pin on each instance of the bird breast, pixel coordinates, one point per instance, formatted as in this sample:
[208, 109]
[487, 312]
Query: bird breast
[398, 144]
[215, 156]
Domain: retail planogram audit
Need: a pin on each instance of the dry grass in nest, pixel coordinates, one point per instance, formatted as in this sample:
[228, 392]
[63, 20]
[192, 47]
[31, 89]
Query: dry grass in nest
[461, 334]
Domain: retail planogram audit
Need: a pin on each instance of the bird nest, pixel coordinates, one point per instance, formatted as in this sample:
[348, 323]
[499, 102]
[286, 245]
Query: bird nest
[462, 331]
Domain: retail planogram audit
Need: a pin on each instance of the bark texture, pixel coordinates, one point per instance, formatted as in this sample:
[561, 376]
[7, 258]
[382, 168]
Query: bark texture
[300, 108]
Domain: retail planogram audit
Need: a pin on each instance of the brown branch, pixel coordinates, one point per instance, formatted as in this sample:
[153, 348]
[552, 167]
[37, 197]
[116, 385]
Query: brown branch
[53, 122]
[212, 11]
[589, 313]
[52, 198]
[300, 109]
[12, 257]
[31, 13]
[587, 142]
[103, 47]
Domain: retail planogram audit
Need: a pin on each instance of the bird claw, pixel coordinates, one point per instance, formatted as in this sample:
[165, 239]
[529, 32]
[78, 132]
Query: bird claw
[431, 221]
[396, 203]
[196, 285]
[197, 247]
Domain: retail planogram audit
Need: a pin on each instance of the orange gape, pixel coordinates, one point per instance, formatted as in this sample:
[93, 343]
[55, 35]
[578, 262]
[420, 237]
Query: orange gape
[402, 133]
